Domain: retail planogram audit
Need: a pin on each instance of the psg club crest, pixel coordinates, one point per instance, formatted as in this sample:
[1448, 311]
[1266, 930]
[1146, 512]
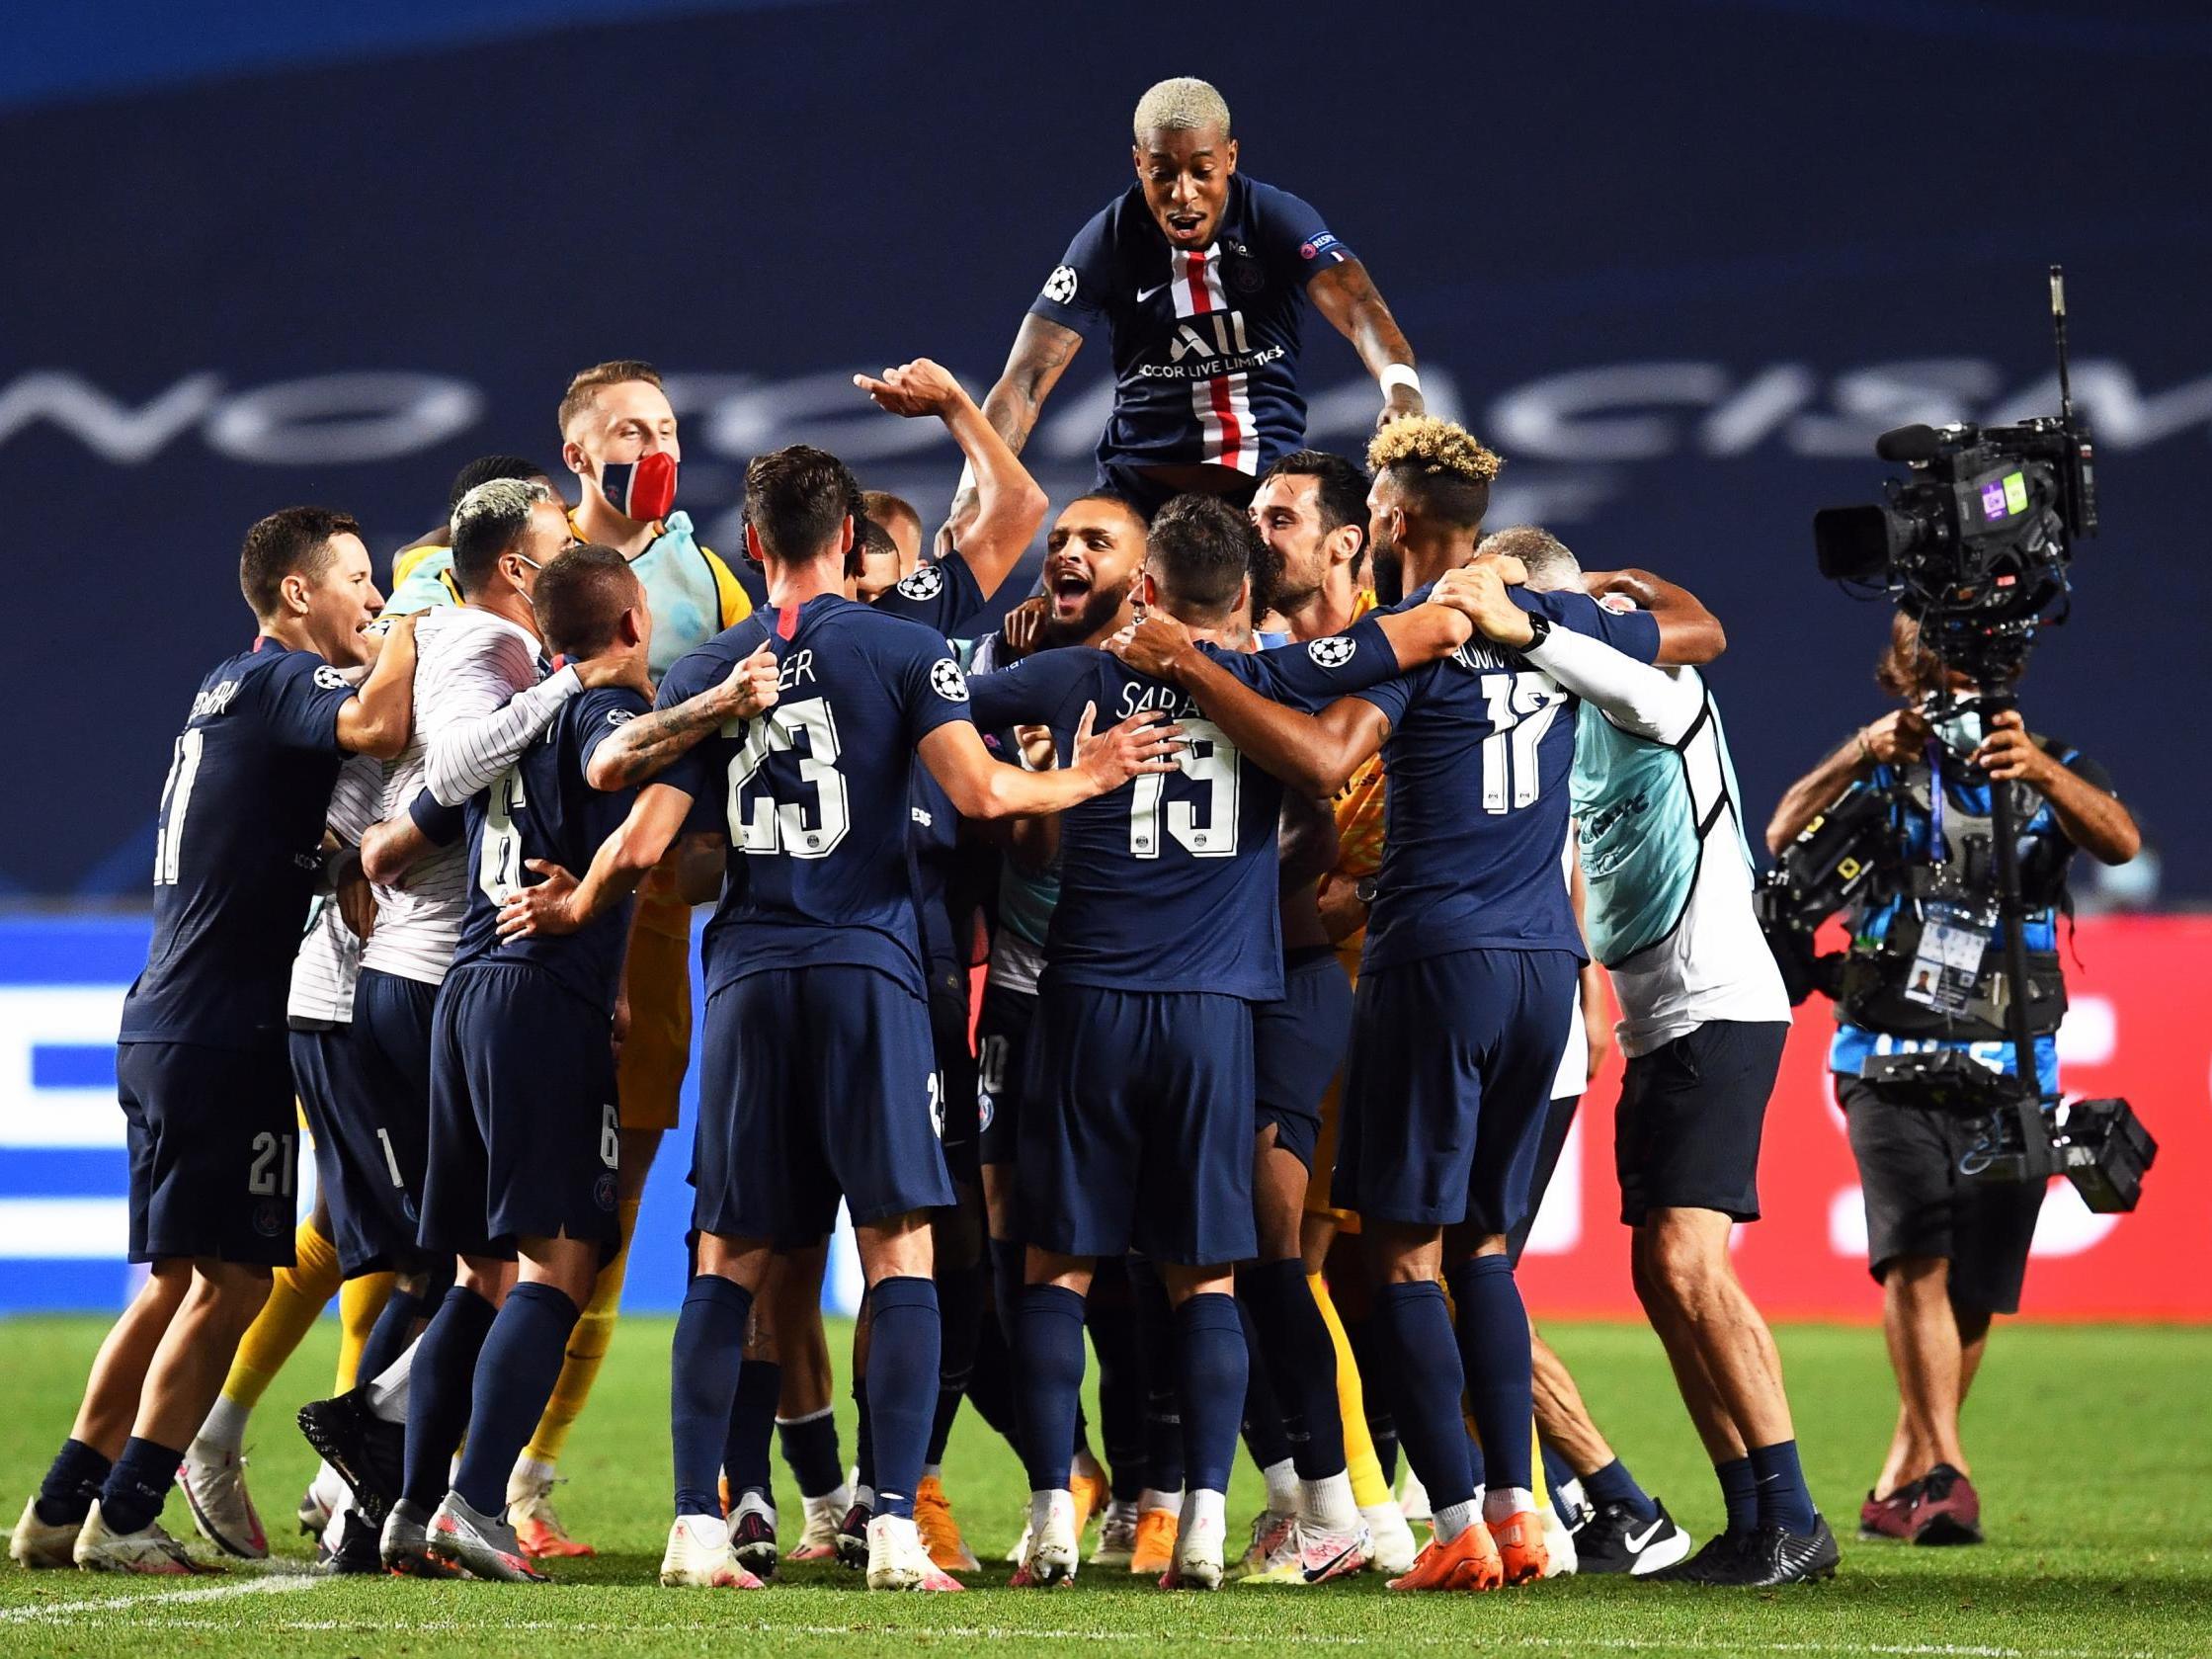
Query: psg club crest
[603, 1190]
[1243, 275]
[947, 680]
[1333, 652]
[271, 1217]
[1059, 288]
[925, 581]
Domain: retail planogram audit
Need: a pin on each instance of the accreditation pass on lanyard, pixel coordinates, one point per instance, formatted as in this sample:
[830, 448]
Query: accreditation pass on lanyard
[1947, 966]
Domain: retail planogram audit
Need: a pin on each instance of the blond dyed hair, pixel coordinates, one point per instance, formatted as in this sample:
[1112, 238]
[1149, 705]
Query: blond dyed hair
[1180, 103]
[1430, 445]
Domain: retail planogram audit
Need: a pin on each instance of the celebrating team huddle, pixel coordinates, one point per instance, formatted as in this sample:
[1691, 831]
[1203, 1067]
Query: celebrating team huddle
[1262, 806]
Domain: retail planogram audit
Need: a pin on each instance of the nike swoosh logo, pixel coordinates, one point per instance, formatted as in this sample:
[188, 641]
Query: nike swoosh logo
[1636, 1543]
[1314, 1575]
[1144, 294]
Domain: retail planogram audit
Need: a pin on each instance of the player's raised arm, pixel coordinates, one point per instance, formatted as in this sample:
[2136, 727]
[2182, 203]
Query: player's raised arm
[1347, 297]
[1042, 351]
[378, 719]
[563, 905]
[1313, 754]
[1008, 505]
[982, 786]
[650, 742]
[1687, 631]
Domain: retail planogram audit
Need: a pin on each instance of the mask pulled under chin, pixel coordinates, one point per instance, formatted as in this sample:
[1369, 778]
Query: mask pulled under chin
[643, 489]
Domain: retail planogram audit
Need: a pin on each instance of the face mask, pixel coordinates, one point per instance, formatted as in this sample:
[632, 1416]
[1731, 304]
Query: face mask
[1960, 731]
[643, 489]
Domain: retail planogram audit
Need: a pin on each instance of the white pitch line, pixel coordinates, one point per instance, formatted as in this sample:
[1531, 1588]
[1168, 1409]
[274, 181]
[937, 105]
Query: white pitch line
[996, 1634]
[47, 1613]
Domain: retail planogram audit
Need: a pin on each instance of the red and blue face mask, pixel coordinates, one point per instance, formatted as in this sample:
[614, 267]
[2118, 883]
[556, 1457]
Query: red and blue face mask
[643, 489]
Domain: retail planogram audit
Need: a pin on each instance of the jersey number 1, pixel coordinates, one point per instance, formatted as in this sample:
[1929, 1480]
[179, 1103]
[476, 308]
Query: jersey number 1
[176, 797]
[499, 864]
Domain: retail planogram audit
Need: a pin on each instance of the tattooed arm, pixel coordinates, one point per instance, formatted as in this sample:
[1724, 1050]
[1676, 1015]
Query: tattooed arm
[1347, 299]
[1042, 351]
[648, 743]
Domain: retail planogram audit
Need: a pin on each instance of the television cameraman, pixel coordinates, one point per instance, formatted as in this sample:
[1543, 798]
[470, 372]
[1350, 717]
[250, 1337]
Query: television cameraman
[1947, 1252]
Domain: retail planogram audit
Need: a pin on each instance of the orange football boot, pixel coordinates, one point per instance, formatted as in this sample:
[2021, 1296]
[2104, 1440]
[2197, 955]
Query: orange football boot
[1154, 1553]
[1521, 1555]
[1468, 1562]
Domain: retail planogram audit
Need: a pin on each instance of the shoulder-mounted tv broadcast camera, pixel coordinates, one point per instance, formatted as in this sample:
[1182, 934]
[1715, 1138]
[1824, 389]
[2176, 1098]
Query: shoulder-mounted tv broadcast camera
[1975, 545]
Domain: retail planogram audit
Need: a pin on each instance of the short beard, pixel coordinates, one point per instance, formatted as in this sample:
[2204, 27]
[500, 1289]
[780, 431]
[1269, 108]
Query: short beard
[1387, 566]
[1100, 609]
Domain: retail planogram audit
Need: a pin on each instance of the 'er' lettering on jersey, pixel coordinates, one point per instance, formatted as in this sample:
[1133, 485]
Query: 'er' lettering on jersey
[814, 796]
[1478, 756]
[541, 807]
[1167, 883]
[1205, 340]
[237, 849]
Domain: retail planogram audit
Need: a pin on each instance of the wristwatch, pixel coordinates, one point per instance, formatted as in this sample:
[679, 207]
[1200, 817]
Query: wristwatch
[1364, 892]
[1539, 630]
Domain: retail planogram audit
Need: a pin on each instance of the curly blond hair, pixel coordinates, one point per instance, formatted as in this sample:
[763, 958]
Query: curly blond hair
[1433, 445]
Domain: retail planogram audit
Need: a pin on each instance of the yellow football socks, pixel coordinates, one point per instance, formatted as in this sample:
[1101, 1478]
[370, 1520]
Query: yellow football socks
[1368, 1488]
[359, 1301]
[296, 1297]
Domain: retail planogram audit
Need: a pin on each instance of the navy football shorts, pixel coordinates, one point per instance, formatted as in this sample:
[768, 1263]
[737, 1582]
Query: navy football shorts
[1687, 1131]
[1002, 1056]
[524, 1128]
[1452, 1068]
[816, 1085]
[1136, 1125]
[955, 1067]
[1559, 1120]
[1299, 1046]
[214, 1150]
[393, 1017]
[369, 1146]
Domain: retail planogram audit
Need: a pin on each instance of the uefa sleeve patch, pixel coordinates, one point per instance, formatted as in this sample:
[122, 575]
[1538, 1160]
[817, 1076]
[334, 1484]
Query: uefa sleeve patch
[925, 581]
[1059, 288]
[1319, 245]
[947, 680]
[1333, 652]
[330, 679]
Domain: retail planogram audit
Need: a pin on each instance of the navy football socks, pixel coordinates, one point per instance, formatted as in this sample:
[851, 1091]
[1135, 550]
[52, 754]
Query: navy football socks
[1302, 1362]
[1369, 1353]
[905, 1352]
[810, 1449]
[1496, 1358]
[1007, 1259]
[1048, 1379]
[702, 1378]
[991, 1383]
[395, 1328]
[1784, 1501]
[745, 1451]
[1426, 1382]
[131, 1496]
[72, 1483]
[438, 1394]
[1614, 1484]
[1214, 1371]
[959, 1304]
[1267, 1434]
[1739, 1490]
[1155, 1328]
[1110, 1317]
[516, 1370]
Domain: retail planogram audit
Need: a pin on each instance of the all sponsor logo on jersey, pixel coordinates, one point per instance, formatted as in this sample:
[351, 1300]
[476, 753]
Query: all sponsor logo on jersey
[923, 582]
[947, 680]
[1333, 652]
[1059, 288]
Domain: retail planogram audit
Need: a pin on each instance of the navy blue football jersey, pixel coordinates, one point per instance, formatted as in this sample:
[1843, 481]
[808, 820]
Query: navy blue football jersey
[237, 850]
[816, 795]
[1205, 340]
[1475, 820]
[942, 595]
[542, 808]
[1167, 883]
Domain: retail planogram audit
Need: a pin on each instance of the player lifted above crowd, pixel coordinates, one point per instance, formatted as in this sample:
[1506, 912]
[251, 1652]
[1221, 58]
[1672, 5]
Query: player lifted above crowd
[1201, 276]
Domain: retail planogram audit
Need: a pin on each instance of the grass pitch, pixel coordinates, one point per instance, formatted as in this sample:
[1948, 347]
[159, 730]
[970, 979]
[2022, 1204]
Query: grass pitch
[2092, 1450]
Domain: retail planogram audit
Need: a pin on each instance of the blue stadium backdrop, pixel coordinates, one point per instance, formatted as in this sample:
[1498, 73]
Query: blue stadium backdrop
[1678, 263]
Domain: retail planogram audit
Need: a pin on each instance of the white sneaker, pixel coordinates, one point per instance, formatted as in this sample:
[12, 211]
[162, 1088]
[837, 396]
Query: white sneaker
[1559, 1545]
[1412, 1498]
[462, 1535]
[896, 1559]
[1198, 1545]
[1270, 1529]
[1117, 1536]
[1311, 1555]
[1054, 1547]
[699, 1557]
[213, 1481]
[818, 1537]
[1391, 1546]
[36, 1545]
[147, 1551]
